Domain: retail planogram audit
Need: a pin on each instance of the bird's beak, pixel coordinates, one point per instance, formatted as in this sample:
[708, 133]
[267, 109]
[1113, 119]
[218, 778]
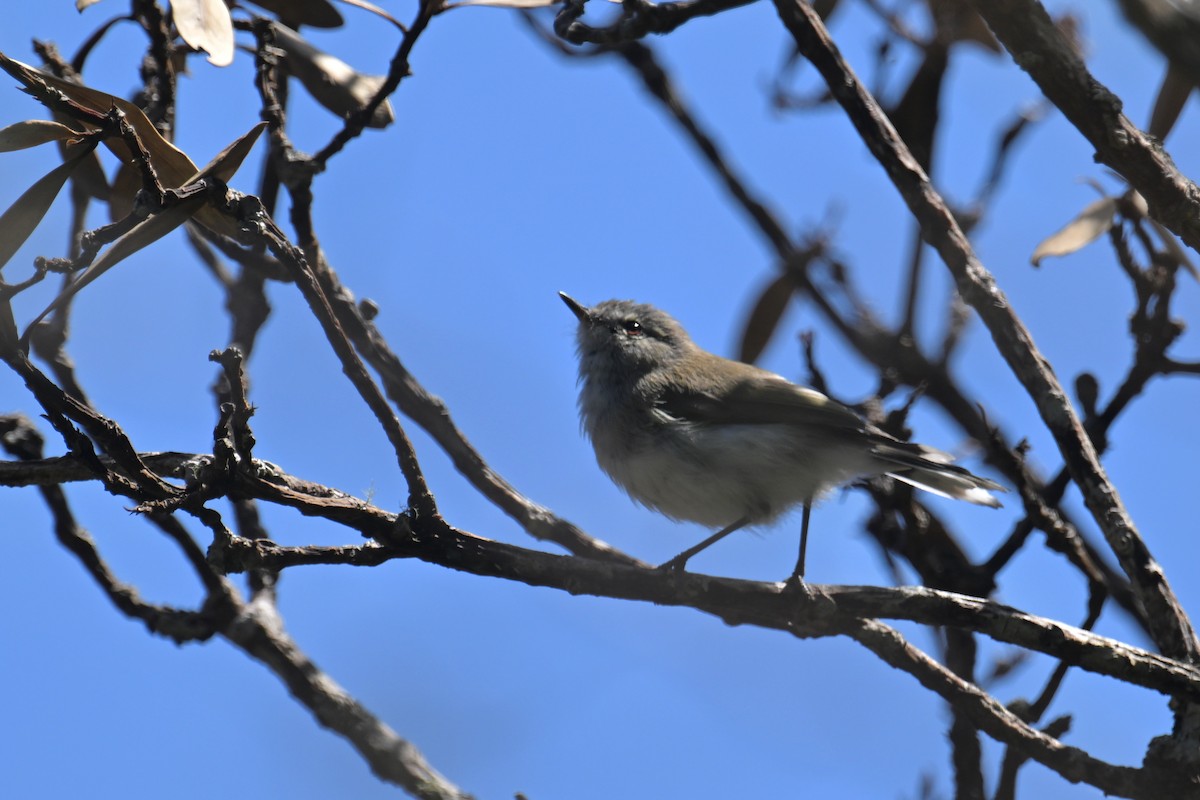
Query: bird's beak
[580, 311]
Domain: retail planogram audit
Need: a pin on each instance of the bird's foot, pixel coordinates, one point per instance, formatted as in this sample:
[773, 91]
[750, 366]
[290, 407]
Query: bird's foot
[796, 583]
[676, 564]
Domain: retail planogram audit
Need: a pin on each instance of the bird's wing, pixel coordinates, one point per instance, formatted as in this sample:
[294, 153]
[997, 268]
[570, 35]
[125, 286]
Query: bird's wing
[753, 396]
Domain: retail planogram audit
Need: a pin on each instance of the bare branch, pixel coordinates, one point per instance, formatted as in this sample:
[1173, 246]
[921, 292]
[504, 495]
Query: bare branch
[1169, 624]
[1038, 47]
[816, 609]
[258, 630]
[997, 721]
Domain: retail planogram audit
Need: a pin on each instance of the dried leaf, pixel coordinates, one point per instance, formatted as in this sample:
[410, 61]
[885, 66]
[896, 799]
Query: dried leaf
[145, 233]
[173, 166]
[1133, 206]
[1088, 226]
[332, 82]
[501, 3]
[1174, 249]
[223, 167]
[765, 316]
[80, 5]
[8, 326]
[374, 9]
[90, 176]
[206, 25]
[313, 13]
[126, 183]
[1176, 86]
[31, 133]
[916, 115]
[23, 216]
[226, 163]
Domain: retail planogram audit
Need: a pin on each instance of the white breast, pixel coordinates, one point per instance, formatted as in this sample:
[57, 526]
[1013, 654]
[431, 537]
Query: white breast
[716, 474]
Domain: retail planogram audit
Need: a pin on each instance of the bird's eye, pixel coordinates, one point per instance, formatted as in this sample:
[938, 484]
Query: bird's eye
[632, 327]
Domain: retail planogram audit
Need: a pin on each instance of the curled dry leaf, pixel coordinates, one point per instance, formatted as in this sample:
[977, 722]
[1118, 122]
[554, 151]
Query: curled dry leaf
[1093, 222]
[226, 163]
[8, 326]
[313, 13]
[174, 167]
[1133, 206]
[1174, 249]
[1177, 86]
[24, 215]
[126, 183]
[206, 25]
[89, 175]
[764, 317]
[32, 132]
[332, 82]
[377, 11]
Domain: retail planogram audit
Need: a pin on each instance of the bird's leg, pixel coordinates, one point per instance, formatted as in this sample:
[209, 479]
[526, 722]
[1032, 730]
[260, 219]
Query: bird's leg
[798, 572]
[680, 561]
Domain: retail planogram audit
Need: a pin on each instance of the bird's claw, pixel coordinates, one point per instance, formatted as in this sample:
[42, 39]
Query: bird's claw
[796, 583]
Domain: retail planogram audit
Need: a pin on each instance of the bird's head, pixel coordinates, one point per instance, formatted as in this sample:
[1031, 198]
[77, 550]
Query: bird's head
[626, 338]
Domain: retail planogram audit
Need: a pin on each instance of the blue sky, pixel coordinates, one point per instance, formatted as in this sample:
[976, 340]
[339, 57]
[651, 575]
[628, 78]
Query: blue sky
[509, 175]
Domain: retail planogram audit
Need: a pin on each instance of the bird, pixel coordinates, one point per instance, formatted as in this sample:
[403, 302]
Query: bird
[725, 444]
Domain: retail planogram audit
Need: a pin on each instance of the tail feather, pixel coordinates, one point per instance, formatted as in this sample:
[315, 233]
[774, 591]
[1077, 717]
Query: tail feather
[931, 470]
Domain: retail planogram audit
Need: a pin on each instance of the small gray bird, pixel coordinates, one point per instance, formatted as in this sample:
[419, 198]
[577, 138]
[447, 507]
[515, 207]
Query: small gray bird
[699, 437]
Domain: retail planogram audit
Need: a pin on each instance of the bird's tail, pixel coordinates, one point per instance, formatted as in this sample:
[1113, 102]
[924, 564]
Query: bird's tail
[932, 470]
